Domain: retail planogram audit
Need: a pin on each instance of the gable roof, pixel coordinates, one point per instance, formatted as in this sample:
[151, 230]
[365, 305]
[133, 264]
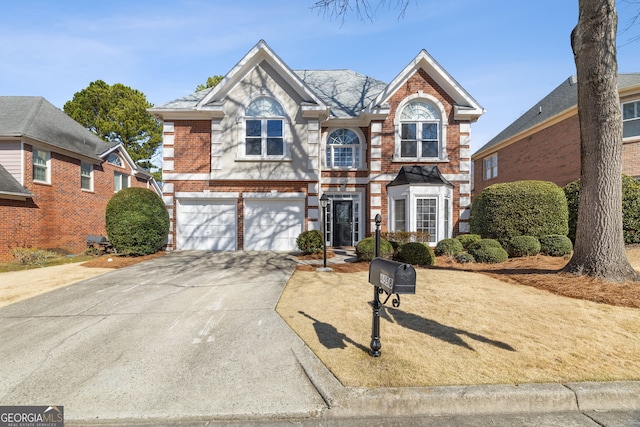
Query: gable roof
[343, 94]
[465, 108]
[36, 118]
[428, 175]
[560, 100]
[9, 186]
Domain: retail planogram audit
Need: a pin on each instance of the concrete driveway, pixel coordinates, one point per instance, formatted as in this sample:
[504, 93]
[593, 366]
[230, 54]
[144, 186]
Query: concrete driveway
[188, 335]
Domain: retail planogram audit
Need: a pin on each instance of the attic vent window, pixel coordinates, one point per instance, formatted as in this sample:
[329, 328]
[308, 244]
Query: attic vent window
[114, 159]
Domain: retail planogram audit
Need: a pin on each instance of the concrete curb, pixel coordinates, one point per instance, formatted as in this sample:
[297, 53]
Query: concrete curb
[343, 402]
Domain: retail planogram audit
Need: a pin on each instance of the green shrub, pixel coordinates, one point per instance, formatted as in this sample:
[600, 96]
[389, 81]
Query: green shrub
[467, 239]
[365, 249]
[448, 247]
[521, 208]
[465, 257]
[555, 245]
[137, 221]
[28, 256]
[416, 254]
[630, 208]
[488, 251]
[310, 242]
[400, 237]
[523, 246]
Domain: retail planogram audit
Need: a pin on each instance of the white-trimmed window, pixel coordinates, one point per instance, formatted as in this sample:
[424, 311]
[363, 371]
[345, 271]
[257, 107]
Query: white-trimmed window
[420, 131]
[41, 166]
[120, 181]
[343, 149]
[264, 129]
[491, 167]
[427, 217]
[86, 176]
[400, 214]
[631, 119]
[114, 159]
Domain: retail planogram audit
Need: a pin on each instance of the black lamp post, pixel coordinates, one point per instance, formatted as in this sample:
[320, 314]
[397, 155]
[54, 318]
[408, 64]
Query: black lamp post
[323, 202]
[375, 305]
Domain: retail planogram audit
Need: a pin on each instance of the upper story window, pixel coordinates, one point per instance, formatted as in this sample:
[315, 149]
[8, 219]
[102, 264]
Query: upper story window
[264, 130]
[41, 166]
[343, 149]
[86, 176]
[114, 159]
[420, 134]
[491, 167]
[120, 181]
[631, 119]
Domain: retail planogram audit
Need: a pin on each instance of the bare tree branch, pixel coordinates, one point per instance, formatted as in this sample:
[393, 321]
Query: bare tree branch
[363, 8]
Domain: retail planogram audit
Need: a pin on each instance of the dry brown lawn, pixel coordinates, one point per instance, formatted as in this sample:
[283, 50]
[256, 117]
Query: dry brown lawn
[517, 322]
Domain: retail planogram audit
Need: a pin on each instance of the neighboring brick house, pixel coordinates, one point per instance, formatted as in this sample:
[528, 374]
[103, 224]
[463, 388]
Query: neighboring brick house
[56, 177]
[246, 162]
[544, 143]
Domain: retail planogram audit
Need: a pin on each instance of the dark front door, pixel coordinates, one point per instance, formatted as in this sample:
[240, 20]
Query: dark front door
[342, 223]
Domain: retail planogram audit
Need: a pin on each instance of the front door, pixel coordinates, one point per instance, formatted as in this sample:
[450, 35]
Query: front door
[342, 223]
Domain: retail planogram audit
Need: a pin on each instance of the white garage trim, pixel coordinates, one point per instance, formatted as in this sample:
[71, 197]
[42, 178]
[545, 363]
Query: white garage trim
[206, 222]
[273, 221]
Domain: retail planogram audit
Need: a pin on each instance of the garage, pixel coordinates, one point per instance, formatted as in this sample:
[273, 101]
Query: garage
[206, 224]
[272, 225]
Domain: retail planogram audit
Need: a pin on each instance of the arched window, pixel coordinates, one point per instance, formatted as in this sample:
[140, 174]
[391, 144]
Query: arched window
[114, 159]
[343, 149]
[264, 131]
[420, 124]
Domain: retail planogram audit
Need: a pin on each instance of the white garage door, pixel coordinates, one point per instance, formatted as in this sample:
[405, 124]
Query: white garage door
[206, 225]
[272, 225]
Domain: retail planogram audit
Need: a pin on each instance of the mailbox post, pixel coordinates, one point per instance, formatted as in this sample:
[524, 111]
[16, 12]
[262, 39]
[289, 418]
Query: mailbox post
[390, 277]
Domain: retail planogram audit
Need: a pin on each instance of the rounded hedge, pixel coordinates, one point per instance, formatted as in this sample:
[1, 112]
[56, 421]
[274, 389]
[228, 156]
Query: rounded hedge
[555, 245]
[416, 253]
[467, 239]
[365, 249]
[520, 208]
[465, 257]
[520, 246]
[448, 247]
[310, 242]
[630, 208]
[488, 251]
[137, 221]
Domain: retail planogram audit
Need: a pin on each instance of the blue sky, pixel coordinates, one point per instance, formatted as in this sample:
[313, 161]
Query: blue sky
[507, 54]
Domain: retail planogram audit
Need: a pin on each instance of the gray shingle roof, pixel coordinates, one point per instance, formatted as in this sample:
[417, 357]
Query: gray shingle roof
[419, 175]
[36, 118]
[344, 91]
[9, 185]
[560, 99]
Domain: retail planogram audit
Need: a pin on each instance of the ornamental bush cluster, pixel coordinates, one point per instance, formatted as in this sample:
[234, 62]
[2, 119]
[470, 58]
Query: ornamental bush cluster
[366, 249]
[137, 221]
[416, 253]
[310, 242]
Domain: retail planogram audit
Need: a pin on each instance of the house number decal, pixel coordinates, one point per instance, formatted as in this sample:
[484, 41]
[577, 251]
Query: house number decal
[386, 281]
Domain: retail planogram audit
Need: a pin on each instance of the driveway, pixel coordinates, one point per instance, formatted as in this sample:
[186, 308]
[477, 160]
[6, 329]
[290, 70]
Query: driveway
[188, 335]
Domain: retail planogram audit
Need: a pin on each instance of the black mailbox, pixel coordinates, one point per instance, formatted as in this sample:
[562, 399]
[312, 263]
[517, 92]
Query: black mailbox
[393, 277]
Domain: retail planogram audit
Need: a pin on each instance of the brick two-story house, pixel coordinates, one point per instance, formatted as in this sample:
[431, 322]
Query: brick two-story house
[56, 177]
[246, 162]
[544, 143]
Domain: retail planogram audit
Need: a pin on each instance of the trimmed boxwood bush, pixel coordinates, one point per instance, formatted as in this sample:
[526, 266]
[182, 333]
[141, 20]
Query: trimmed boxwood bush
[555, 245]
[310, 242]
[137, 221]
[630, 208]
[416, 254]
[365, 249]
[465, 257]
[520, 246]
[521, 208]
[467, 239]
[488, 251]
[448, 247]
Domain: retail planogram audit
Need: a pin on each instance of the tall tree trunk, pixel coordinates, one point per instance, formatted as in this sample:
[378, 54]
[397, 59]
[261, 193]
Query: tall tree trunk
[599, 250]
